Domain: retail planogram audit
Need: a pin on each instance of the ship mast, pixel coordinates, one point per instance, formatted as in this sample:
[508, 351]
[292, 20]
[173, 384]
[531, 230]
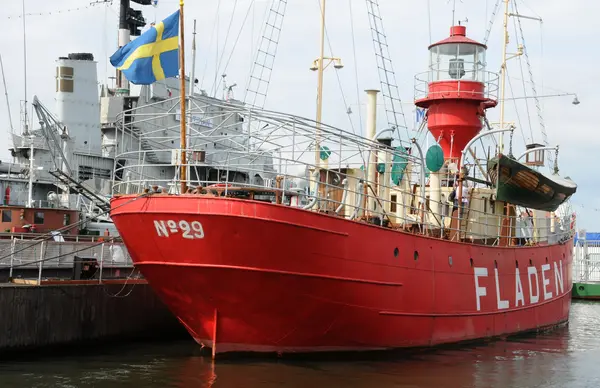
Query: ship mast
[183, 140]
[503, 70]
[25, 119]
[320, 66]
[320, 89]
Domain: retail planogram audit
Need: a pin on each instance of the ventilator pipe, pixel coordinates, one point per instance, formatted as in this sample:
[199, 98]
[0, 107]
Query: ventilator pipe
[371, 135]
[315, 199]
[359, 201]
[345, 182]
[422, 183]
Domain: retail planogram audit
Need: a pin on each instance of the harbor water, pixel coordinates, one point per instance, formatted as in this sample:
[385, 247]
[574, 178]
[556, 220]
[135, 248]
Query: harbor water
[566, 357]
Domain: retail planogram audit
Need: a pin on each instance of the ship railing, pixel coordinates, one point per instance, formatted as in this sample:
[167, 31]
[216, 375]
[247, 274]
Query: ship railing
[345, 192]
[436, 84]
[586, 260]
[347, 176]
[31, 259]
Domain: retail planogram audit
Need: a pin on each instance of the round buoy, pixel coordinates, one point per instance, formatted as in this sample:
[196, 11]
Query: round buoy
[434, 159]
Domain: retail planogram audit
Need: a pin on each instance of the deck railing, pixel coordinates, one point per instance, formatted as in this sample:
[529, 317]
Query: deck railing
[365, 180]
[586, 260]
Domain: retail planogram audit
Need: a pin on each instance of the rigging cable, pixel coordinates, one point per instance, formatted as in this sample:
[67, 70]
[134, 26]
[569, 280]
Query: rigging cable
[338, 76]
[341, 88]
[215, 86]
[250, 7]
[516, 109]
[429, 20]
[210, 46]
[522, 74]
[355, 67]
[533, 88]
[48, 13]
[491, 22]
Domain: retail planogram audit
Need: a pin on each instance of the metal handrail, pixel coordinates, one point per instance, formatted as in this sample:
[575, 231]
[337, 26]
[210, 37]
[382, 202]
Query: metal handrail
[271, 146]
[489, 80]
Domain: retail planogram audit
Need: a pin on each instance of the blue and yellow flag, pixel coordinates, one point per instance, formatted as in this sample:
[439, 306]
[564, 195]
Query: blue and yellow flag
[153, 56]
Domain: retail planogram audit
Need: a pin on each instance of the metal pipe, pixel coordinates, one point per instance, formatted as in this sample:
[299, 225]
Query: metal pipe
[12, 255]
[101, 263]
[537, 149]
[414, 141]
[371, 135]
[314, 200]
[358, 201]
[503, 69]
[41, 262]
[462, 160]
[193, 69]
[345, 182]
[473, 140]
[25, 119]
[543, 96]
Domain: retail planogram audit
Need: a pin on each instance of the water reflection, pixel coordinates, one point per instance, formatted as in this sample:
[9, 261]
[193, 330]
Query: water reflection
[566, 357]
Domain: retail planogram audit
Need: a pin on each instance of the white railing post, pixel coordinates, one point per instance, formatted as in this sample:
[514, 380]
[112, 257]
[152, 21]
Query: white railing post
[12, 256]
[101, 262]
[41, 264]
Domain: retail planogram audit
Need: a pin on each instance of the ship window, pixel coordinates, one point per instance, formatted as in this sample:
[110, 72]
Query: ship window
[6, 215]
[64, 79]
[38, 218]
[64, 85]
[393, 205]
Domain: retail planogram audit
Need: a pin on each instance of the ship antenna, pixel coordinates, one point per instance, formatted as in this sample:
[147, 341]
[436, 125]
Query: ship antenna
[182, 96]
[25, 127]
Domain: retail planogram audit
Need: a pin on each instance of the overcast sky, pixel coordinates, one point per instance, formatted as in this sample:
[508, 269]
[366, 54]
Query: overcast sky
[563, 52]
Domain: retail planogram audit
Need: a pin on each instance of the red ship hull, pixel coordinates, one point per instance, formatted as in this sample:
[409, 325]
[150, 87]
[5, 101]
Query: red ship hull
[267, 278]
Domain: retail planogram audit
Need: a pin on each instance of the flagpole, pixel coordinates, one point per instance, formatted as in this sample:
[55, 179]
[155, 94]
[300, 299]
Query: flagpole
[183, 144]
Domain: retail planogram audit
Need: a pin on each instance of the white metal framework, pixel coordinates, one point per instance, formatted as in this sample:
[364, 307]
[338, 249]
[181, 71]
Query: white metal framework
[242, 152]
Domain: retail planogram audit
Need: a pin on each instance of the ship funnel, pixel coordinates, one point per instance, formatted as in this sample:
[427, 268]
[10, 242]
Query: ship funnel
[77, 100]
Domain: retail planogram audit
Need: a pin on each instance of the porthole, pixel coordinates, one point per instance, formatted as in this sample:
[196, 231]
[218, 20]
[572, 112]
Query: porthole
[416, 255]
[396, 252]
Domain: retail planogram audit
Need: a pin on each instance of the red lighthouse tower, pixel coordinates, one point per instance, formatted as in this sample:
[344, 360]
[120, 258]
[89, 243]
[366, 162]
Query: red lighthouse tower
[456, 90]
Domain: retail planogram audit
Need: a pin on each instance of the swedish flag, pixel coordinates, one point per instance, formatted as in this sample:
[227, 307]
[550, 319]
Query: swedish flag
[153, 56]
